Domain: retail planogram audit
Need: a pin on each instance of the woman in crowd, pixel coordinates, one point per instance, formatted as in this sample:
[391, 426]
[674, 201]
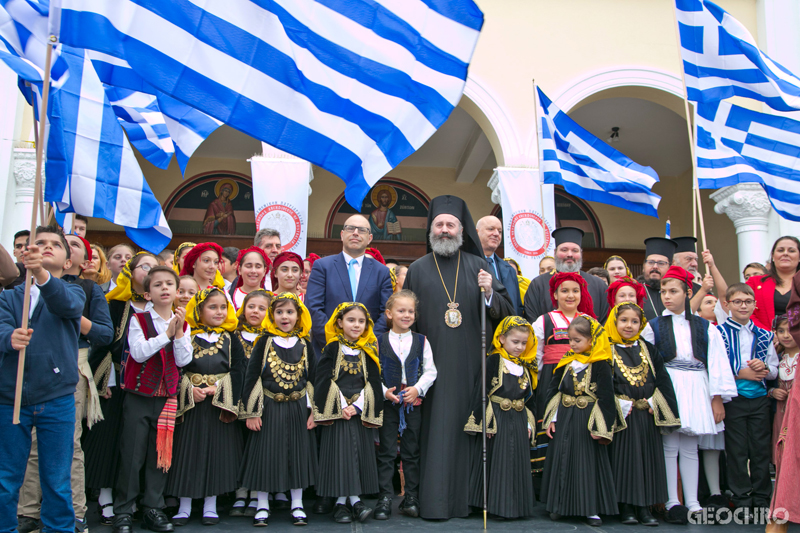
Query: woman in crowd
[180, 255]
[773, 289]
[617, 268]
[202, 263]
[98, 267]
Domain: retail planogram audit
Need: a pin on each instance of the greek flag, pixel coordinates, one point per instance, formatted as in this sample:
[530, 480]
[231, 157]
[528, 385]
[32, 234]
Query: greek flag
[23, 41]
[354, 87]
[139, 115]
[589, 168]
[91, 169]
[737, 145]
[721, 60]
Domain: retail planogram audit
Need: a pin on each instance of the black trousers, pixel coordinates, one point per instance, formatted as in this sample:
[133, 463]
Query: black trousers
[409, 449]
[747, 438]
[138, 449]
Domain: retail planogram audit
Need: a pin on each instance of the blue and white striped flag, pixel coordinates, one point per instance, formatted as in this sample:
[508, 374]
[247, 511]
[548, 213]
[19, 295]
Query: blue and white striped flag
[24, 41]
[589, 168]
[354, 87]
[139, 115]
[721, 60]
[91, 169]
[738, 145]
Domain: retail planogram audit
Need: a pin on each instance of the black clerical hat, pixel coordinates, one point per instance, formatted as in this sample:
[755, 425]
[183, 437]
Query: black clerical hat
[660, 246]
[685, 244]
[453, 205]
[568, 234]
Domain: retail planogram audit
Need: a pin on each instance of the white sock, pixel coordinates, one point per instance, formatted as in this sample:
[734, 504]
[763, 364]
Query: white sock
[253, 494]
[185, 508]
[341, 501]
[104, 499]
[594, 517]
[297, 503]
[354, 500]
[686, 446]
[711, 468]
[280, 497]
[210, 507]
[263, 503]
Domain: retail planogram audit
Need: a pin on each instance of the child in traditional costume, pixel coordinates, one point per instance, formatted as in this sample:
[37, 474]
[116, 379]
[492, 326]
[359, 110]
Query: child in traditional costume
[281, 451]
[101, 444]
[645, 394]
[207, 447]
[252, 268]
[187, 288]
[511, 378]
[786, 373]
[570, 295]
[202, 263]
[348, 404]
[582, 415]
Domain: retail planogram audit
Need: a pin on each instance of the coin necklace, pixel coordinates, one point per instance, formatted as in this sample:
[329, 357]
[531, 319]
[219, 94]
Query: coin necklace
[452, 317]
[635, 375]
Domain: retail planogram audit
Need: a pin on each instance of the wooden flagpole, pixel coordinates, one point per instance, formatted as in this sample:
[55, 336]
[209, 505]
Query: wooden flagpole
[35, 212]
[696, 198]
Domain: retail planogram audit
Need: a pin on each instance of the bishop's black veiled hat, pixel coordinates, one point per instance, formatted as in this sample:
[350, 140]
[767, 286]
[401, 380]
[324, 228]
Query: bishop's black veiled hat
[660, 246]
[453, 205]
[568, 234]
[685, 244]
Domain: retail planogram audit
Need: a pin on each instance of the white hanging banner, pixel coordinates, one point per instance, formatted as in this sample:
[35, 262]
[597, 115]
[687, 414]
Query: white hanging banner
[280, 197]
[528, 217]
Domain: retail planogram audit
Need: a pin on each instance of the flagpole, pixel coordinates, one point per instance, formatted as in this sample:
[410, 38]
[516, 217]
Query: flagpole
[37, 201]
[36, 143]
[538, 159]
[696, 198]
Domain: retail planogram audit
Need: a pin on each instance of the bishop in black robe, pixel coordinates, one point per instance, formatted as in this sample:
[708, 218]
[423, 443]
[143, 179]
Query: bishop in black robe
[444, 475]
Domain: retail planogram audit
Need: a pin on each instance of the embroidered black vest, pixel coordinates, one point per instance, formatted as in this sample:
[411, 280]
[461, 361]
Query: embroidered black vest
[664, 338]
[392, 369]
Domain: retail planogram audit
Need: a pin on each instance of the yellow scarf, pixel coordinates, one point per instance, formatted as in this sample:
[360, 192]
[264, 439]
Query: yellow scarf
[611, 326]
[181, 247]
[393, 277]
[124, 290]
[524, 283]
[303, 327]
[366, 342]
[193, 313]
[527, 358]
[600, 350]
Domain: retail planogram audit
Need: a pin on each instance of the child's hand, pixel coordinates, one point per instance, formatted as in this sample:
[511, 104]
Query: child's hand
[718, 408]
[180, 316]
[756, 365]
[708, 258]
[551, 429]
[21, 338]
[310, 424]
[106, 393]
[32, 259]
[410, 395]
[708, 282]
[210, 391]
[198, 394]
[349, 412]
[253, 424]
[779, 394]
[530, 433]
[752, 375]
[391, 396]
[171, 328]
[601, 440]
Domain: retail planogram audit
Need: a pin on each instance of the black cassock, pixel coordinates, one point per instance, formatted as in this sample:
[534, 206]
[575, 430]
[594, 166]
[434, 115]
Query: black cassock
[653, 306]
[537, 298]
[445, 448]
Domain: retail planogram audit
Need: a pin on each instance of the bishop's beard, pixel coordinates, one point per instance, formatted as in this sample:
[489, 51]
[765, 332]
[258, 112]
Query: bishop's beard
[445, 244]
[563, 266]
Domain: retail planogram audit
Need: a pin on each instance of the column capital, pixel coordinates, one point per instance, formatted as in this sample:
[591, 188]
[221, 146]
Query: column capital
[24, 170]
[744, 203]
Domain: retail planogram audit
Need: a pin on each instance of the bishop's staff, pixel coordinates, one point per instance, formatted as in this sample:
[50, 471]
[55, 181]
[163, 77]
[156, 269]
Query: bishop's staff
[483, 405]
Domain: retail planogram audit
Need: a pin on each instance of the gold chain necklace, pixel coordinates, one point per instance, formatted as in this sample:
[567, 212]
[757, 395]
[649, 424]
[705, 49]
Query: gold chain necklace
[580, 386]
[452, 317]
[246, 345]
[286, 375]
[636, 375]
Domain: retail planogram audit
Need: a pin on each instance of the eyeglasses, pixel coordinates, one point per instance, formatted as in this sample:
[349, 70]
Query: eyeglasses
[356, 229]
[145, 268]
[652, 263]
[739, 303]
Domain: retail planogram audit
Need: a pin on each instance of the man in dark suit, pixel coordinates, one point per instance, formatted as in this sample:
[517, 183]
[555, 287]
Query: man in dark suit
[490, 232]
[347, 277]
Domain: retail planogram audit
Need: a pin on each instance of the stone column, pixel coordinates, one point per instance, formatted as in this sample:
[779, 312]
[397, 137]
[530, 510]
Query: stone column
[748, 207]
[24, 176]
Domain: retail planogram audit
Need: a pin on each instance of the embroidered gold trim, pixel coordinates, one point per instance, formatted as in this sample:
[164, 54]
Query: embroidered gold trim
[185, 398]
[550, 411]
[664, 416]
[581, 402]
[506, 404]
[223, 397]
[254, 406]
[204, 379]
[281, 397]
[103, 373]
[531, 424]
[640, 404]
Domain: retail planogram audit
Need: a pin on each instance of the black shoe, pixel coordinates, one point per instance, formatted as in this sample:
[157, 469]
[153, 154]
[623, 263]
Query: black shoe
[179, 522]
[27, 524]
[156, 520]
[299, 520]
[555, 517]
[251, 510]
[238, 510]
[677, 514]
[626, 515]
[594, 522]
[361, 512]
[210, 520]
[383, 510]
[645, 518]
[410, 506]
[104, 520]
[717, 501]
[261, 522]
[341, 514]
[323, 505]
[280, 505]
[123, 523]
[81, 526]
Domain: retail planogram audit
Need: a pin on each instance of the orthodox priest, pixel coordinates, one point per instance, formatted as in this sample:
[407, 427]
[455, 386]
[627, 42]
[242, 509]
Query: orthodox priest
[448, 282]
[569, 258]
[657, 258]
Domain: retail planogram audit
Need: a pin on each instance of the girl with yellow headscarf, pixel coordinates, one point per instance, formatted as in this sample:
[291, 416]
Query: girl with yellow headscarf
[511, 377]
[581, 415]
[278, 407]
[644, 391]
[349, 400]
[207, 448]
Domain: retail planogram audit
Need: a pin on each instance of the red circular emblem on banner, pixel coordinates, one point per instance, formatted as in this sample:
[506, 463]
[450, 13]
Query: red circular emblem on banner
[285, 220]
[529, 233]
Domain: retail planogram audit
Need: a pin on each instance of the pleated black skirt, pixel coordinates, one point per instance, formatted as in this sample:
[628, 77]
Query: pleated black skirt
[637, 460]
[101, 443]
[347, 464]
[577, 478]
[541, 442]
[283, 455]
[510, 492]
[206, 454]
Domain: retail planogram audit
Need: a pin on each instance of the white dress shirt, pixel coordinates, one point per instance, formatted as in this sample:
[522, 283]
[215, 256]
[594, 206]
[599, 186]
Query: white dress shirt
[35, 293]
[746, 347]
[249, 337]
[143, 349]
[401, 344]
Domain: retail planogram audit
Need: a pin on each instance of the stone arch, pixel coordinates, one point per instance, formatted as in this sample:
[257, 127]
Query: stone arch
[482, 105]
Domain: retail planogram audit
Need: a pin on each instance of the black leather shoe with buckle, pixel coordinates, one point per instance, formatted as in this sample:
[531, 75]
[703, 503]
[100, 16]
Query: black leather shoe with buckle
[383, 509]
[410, 506]
[156, 520]
[123, 523]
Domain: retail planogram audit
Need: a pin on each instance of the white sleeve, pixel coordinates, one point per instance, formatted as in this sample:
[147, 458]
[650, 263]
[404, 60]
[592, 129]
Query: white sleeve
[772, 362]
[429, 371]
[626, 406]
[360, 402]
[538, 330]
[647, 334]
[143, 349]
[721, 381]
[719, 312]
[182, 348]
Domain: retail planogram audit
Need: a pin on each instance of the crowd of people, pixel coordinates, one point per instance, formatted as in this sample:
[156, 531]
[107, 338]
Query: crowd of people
[160, 383]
